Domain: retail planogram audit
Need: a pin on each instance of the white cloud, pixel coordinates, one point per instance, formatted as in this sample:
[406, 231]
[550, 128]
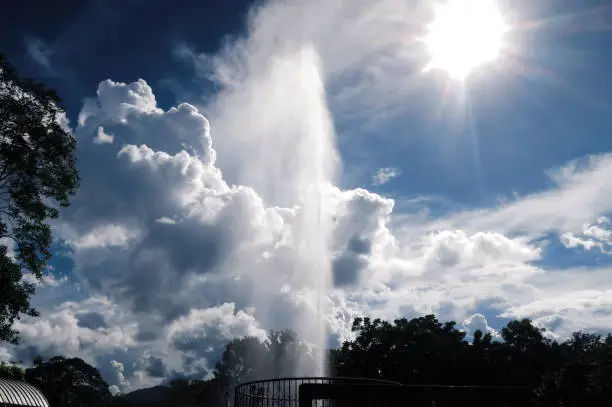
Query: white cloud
[598, 235]
[384, 175]
[478, 322]
[449, 248]
[152, 272]
[102, 137]
[579, 310]
[203, 330]
[225, 319]
[59, 331]
[581, 195]
[105, 236]
[123, 385]
[48, 279]
[166, 220]
[64, 122]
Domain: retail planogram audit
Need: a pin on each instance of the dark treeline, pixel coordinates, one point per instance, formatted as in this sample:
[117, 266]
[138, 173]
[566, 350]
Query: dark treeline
[576, 372]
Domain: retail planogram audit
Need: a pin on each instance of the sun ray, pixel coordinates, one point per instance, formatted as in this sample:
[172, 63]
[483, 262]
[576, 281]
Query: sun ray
[592, 19]
[474, 140]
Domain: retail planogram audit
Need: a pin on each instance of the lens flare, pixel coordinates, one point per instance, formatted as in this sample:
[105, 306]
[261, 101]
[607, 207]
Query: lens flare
[465, 34]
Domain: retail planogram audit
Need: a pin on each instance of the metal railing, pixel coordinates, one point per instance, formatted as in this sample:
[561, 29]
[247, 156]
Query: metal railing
[284, 392]
[377, 395]
[351, 392]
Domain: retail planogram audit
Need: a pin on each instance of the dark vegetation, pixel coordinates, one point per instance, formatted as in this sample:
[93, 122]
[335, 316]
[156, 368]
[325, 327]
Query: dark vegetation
[423, 350]
[37, 176]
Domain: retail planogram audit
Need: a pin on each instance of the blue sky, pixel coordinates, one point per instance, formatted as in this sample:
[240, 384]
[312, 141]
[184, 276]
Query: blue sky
[557, 122]
[492, 199]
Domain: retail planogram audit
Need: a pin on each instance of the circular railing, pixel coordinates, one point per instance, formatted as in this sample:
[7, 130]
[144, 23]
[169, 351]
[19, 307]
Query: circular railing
[284, 392]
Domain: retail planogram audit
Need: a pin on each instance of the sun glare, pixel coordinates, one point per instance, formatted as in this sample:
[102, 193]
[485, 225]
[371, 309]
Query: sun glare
[463, 35]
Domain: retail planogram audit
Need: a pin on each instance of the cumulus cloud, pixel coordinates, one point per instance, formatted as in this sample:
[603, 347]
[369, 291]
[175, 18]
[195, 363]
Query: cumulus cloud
[478, 322]
[581, 310]
[593, 236]
[59, 331]
[384, 175]
[449, 248]
[204, 331]
[105, 236]
[122, 386]
[160, 239]
[47, 279]
[102, 137]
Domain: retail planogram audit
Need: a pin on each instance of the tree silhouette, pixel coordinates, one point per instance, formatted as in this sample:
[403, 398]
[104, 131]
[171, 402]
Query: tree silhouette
[69, 382]
[11, 371]
[244, 359]
[419, 351]
[37, 177]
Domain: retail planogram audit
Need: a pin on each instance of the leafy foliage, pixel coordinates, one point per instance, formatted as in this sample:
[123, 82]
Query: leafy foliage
[244, 359]
[425, 351]
[11, 371]
[37, 176]
[384, 350]
[69, 382]
[14, 296]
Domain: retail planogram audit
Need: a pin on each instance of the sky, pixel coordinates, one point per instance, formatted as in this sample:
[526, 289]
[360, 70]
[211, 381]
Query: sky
[203, 126]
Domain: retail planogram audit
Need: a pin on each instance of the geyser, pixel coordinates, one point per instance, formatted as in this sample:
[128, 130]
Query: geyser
[275, 122]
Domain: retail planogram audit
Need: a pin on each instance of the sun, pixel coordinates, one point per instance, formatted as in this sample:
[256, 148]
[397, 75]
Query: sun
[464, 34]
